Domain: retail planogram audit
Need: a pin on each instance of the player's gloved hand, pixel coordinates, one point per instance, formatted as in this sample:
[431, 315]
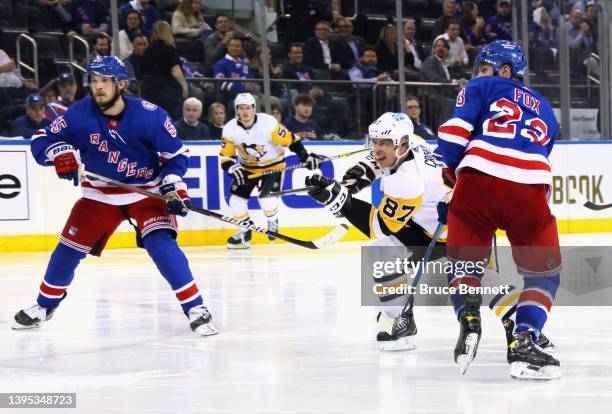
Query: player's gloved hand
[66, 162]
[313, 161]
[361, 175]
[329, 192]
[238, 174]
[443, 212]
[174, 190]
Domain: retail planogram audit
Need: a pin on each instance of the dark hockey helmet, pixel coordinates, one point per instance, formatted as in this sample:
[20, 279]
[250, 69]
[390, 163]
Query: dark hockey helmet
[109, 66]
[503, 52]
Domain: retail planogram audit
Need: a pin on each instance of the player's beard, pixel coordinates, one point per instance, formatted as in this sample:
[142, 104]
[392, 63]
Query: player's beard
[105, 105]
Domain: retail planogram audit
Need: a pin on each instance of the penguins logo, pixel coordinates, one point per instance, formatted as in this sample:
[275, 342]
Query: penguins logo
[253, 151]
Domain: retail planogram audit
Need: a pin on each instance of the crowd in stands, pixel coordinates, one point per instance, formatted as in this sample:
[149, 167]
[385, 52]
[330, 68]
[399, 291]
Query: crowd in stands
[193, 62]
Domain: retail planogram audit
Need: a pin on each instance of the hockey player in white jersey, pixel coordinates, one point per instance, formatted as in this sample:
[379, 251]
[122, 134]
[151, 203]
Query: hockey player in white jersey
[413, 184]
[255, 142]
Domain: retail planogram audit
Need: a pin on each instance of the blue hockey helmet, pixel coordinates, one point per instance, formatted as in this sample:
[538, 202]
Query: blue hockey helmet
[502, 52]
[109, 66]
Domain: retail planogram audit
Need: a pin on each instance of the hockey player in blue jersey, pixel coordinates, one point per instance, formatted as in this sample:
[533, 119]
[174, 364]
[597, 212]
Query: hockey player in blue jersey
[132, 141]
[497, 144]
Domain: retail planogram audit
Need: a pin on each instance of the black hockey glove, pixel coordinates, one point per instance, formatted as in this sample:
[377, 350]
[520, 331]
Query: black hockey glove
[361, 175]
[443, 212]
[313, 161]
[330, 193]
[238, 174]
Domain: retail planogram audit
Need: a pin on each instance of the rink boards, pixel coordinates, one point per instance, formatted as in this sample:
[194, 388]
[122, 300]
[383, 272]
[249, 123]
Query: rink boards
[34, 204]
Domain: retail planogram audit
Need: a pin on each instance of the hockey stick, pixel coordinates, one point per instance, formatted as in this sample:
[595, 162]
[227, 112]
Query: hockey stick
[385, 321]
[294, 190]
[303, 164]
[583, 201]
[327, 240]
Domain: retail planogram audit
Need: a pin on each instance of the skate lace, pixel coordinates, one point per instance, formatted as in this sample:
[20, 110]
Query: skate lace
[36, 312]
[198, 312]
[401, 324]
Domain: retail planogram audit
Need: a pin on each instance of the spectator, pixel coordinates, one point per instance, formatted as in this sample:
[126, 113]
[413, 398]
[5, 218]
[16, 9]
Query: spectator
[276, 111]
[90, 17]
[189, 127]
[449, 11]
[499, 27]
[126, 36]
[216, 43]
[366, 69]
[101, 45]
[435, 67]
[386, 50]
[59, 14]
[320, 52]
[581, 43]
[163, 81]
[9, 74]
[472, 26]
[296, 69]
[148, 14]
[33, 120]
[413, 110]
[216, 120]
[235, 66]
[413, 46]
[542, 33]
[353, 46]
[590, 16]
[275, 71]
[133, 62]
[67, 87]
[187, 20]
[300, 123]
[457, 55]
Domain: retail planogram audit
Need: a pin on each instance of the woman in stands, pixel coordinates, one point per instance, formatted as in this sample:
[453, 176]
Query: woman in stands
[187, 20]
[133, 24]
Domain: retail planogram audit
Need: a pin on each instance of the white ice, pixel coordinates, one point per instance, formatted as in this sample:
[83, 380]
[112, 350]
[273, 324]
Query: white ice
[293, 339]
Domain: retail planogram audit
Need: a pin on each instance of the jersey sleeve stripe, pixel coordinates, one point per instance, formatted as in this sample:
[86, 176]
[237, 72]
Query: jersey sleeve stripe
[454, 139]
[507, 160]
[181, 151]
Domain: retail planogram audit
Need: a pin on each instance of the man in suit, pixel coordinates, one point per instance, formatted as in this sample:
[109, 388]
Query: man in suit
[321, 52]
[353, 46]
[412, 45]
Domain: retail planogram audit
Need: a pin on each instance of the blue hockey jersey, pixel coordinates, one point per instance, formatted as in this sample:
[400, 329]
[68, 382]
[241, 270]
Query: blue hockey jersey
[502, 128]
[140, 147]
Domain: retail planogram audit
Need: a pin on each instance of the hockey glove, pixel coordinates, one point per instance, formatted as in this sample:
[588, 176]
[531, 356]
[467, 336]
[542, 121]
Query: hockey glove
[174, 190]
[238, 174]
[313, 161]
[330, 193]
[66, 162]
[442, 212]
[361, 175]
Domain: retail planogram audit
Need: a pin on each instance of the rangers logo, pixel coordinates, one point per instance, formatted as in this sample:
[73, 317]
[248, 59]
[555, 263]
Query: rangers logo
[149, 106]
[461, 97]
[170, 127]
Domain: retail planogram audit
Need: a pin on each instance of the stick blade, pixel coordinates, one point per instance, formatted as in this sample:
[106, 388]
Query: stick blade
[332, 237]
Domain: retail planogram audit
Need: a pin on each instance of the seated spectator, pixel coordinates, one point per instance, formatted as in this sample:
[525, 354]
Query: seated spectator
[275, 71]
[435, 67]
[235, 66]
[59, 15]
[413, 110]
[386, 50]
[90, 17]
[133, 62]
[189, 127]
[580, 41]
[353, 45]
[300, 123]
[216, 120]
[413, 46]
[9, 74]
[590, 16]
[187, 20]
[67, 87]
[366, 69]
[163, 82]
[126, 36]
[216, 43]
[472, 26]
[321, 52]
[276, 111]
[449, 11]
[296, 69]
[542, 33]
[457, 56]
[101, 46]
[148, 14]
[499, 27]
[33, 120]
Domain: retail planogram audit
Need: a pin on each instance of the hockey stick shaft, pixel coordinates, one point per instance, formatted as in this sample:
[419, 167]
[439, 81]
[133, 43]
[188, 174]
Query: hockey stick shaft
[295, 190]
[219, 216]
[303, 164]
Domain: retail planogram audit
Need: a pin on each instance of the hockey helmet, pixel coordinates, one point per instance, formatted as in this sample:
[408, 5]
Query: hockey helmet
[244, 98]
[109, 66]
[502, 52]
[391, 125]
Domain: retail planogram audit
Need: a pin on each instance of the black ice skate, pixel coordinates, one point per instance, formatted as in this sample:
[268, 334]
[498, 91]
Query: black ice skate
[543, 342]
[272, 226]
[403, 332]
[240, 240]
[200, 321]
[32, 317]
[529, 361]
[470, 332]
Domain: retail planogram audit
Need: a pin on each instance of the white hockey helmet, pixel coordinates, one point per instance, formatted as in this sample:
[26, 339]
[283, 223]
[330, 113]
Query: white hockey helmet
[391, 125]
[244, 98]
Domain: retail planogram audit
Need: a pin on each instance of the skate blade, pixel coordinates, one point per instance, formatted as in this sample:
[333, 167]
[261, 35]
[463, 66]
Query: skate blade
[206, 330]
[406, 343]
[19, 327]
[464, 360]
[238, 246]
[524, 371]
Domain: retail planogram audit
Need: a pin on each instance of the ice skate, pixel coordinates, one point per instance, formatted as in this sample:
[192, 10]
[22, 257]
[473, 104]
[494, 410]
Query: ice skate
[528, 361]
[272, 226]
[32, 317]
[402, 336]
[200, 321]
[469, 334]
[240, 240]
[543, 342]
